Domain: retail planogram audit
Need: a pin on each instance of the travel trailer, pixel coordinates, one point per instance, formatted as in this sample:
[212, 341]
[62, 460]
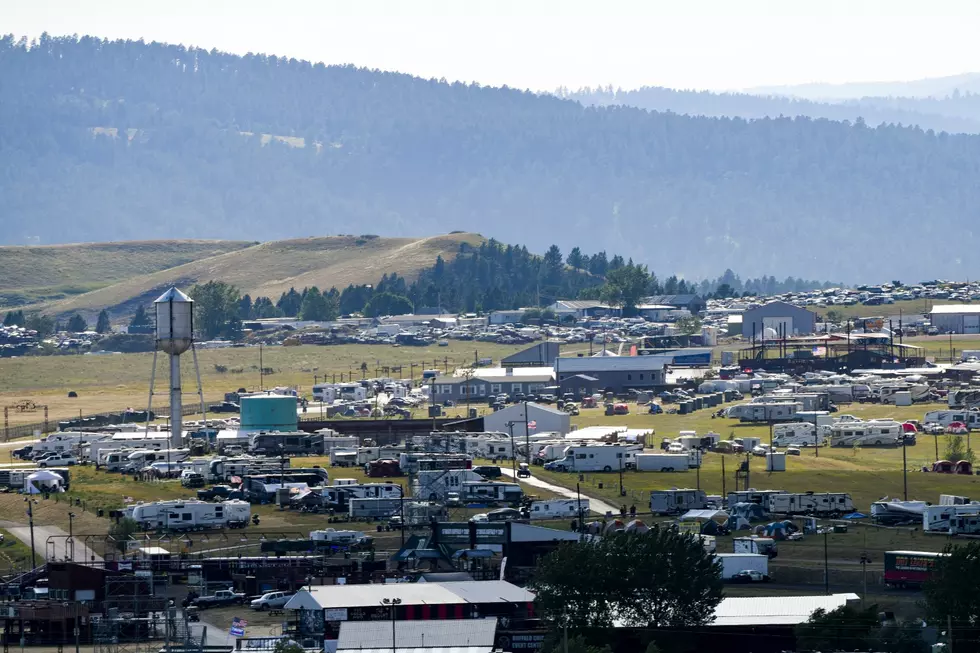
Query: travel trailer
[946, 417]
[664, 462]
[222, 469]
[191, 515]
[558, 509]
[435, 485]
[67, 441]
[937, 519]
[764, 412]
[810, 503]
[491, 492]
[797, 434]
[677, 501]
[143, 457]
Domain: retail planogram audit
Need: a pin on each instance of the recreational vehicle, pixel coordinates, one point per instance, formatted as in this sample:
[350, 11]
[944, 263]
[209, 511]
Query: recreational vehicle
[67, 441]
[884, 433]
[677, 501]
[558, 509]
[752, 496]
[295, 443]
[191, 515]
[143, 457]
[664, 462]
[411, 463]
[435, 485]
[946, 417]
[937, 519]
[769, 412]
[222, 469]
[810, 503]
[596, 458]
[797, 434]
[493, 492]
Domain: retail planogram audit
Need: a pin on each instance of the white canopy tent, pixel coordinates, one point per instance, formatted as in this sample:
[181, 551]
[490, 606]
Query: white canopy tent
[43, 481]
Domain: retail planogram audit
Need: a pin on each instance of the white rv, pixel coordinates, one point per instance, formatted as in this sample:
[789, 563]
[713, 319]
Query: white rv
[493, 492]
[558, 508]
[191, 515]
[596, 458]
[937, 519]
[810, 503]
[946, 417]
[797, 434]
[143, 457]
[94, 451]
[771, 412]
[664, 462]
[222, 469]
[884, 433]
[67, 441]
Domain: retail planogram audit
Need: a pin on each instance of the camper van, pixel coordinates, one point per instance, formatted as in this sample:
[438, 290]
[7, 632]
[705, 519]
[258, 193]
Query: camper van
[883, 433]
[810, 503]
[677, 501]
[191, 515]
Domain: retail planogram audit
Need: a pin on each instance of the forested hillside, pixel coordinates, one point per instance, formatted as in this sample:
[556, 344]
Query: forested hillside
[955, 114]
[127, 140]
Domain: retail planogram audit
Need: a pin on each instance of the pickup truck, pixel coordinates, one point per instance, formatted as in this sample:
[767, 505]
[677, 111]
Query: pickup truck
[271, 601]
[58, 459]
[220, 492]
[220, 598]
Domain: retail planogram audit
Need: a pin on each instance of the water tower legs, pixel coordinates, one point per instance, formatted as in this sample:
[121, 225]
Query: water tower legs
[176, 412]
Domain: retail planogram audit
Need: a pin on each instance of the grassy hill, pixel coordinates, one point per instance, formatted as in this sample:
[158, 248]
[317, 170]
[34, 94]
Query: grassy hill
[52, 272]
[265, 269]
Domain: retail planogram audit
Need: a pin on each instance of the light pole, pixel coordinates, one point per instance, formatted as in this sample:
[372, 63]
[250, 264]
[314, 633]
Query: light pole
[865, 559]
[30, 520]
[401, 511]
[513, 451]
[578, 507]
[282, 472]
[393, 603]
[905, 473]
[826, 564]
[71, 536]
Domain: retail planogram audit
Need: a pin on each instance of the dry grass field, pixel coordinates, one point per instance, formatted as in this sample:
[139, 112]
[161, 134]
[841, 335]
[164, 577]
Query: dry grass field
[113, 382]
[262, 269]
[53, 272]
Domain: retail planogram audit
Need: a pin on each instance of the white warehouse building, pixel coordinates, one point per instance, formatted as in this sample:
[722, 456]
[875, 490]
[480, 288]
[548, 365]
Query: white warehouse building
[958, 318]
[540, 419]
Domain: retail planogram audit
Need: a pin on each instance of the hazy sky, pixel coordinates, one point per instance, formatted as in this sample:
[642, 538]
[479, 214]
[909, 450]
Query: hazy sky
[542, 44]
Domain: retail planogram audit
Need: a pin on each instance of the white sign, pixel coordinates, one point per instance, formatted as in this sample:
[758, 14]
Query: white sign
[335, 614]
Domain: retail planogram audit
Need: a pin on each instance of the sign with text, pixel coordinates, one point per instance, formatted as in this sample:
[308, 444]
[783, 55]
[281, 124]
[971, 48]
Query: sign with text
[238, 627]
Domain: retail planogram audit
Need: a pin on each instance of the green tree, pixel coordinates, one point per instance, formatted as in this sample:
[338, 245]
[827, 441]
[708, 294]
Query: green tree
[902, 637]
[955, 450]
[626, 286]
[215, 305]
[575, 259]
[689, 326]
[102, 325]
[531, 316]
[834, 316]
[662, 579]
[14, 318]
[316, 307]
[77, 324]
[387, 303]
[287, 646]
[951, 591]
[264, 308]
[844, 629]
[43, 324]
[554, 643]
[140, 318]
[245, 307]
[290, 303]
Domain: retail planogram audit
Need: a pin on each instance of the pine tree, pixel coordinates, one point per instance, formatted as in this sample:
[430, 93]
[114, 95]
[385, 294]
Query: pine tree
[103, 325]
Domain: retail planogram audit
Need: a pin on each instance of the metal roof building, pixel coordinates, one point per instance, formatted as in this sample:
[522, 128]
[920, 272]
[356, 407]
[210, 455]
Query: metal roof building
[775, 610]
[446, 636]
[958, 318]
[328, 597]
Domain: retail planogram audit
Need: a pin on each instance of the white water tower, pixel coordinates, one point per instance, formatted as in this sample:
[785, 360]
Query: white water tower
[174, 335]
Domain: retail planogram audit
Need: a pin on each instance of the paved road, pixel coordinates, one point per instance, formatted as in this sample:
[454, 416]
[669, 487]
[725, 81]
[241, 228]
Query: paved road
[57, 546]
[596, 505]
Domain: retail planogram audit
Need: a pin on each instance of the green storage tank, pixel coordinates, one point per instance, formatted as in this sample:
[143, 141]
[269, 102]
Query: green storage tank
[269, 413]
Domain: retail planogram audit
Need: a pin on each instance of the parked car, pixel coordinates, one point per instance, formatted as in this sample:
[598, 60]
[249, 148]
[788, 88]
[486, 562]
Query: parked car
[523, 471]
[271, 601]
[192, 480]
[759, 450]
[505, 514]
[792, 451]
[23, 453]
[221, 492]
[489, 472]
[480, 517]
[61, 459]
[750, 576]
[226, 407]
[220, 598]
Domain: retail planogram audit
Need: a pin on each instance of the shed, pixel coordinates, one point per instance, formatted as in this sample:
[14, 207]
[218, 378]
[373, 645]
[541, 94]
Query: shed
[539, 418]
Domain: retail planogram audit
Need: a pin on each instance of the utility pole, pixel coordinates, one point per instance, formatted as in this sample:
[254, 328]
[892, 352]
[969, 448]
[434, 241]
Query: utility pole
[261, 370]
[527, 438]
[905, 473]
[723, 493]
[826, 565]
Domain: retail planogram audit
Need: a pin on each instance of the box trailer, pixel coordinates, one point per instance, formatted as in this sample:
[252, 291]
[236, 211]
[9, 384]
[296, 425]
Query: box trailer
[677, 501]
[734, 563]
[909, 568]
[662, 462]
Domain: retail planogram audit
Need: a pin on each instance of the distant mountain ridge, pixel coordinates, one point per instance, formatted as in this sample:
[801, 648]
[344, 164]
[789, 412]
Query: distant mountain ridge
[931, 87]
[115, 140]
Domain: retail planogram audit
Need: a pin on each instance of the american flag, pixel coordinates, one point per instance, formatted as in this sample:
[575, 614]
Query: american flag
[532, 424]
